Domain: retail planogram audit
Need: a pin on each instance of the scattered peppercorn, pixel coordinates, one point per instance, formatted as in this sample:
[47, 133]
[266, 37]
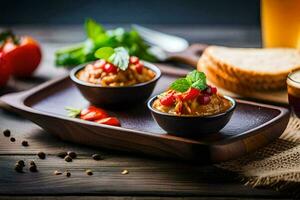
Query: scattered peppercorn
[33, 168]
[68, 174]
[62, 154]
[96, 157]
[56, 172]
[18, 168]
[89, 172]
[25, 143]
[41, 155]
[68, 159]
[125, 171]
[12, 139]
[32, 162]
[6, 133]
[72, 154]
[21, 163]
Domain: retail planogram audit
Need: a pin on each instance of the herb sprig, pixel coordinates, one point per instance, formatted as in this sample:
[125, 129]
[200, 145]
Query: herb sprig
[193, 79]
[118, 56]
[97, 37]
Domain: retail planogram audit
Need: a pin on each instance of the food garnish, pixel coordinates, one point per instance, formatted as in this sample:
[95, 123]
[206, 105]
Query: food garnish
[94, 114]
[98, 37]
[191, 95]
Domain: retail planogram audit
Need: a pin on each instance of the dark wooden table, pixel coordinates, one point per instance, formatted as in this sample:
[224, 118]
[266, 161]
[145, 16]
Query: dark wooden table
[148, 178]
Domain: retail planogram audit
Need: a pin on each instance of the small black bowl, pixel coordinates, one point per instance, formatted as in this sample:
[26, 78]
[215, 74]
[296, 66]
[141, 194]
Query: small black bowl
[119, 96]
[191, 126]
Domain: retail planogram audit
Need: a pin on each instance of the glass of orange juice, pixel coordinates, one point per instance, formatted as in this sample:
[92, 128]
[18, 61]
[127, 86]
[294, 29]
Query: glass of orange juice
[280, 20]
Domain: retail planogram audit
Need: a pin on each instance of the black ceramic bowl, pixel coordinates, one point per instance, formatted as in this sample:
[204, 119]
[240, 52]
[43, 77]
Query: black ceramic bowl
[116, 96]
[191, 126]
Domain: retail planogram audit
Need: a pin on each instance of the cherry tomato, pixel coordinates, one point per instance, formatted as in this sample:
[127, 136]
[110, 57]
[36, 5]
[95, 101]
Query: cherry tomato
[210, 90]
[191, 94]
[134, 60]
[139, 67]
[214, 90]
[5, 71]
[113, 121]
[110, 68]
[203, 99]
[168, 100]
[23, 57]
[92, 113]
[99, 64]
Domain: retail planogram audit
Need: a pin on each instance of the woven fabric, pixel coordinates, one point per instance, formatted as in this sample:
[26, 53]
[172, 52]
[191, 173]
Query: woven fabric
[276, 165]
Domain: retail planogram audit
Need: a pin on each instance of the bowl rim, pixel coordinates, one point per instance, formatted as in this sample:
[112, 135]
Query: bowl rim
[231, 109]
[148, 65]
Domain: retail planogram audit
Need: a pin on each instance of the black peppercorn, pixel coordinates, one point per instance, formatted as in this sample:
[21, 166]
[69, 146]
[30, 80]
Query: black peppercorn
[25, 143]
[68, 159]
[6, 133]
[72, 154]
[41, 155]
[12, 139]
[62, 154]
[96, 157]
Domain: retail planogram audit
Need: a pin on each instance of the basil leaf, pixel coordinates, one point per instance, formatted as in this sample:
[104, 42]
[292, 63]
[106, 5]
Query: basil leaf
[104, 53]
[93, 29]
[180, 85]
[195, 75]
[120, 58]
[200, 84]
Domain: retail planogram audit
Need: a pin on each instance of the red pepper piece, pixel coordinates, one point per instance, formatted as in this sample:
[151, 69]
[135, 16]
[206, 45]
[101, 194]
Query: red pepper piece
[139, 67]
[168, 100]
[192, 93]
[134, 60]
[110, 68]
[93, 113]
[113, 121]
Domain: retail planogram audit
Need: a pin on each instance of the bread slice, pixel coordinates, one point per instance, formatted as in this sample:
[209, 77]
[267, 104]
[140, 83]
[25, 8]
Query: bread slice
[213, 72]
[269, 63]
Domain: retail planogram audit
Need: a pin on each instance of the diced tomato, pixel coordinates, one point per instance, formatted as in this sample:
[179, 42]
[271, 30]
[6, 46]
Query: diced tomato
[113, 121]
[139, 67]
[93, 113]
[99, 64]
[203, 99]
[110, 68]
[192, 93]
[214, 90]
[134, 60]
[168, 100]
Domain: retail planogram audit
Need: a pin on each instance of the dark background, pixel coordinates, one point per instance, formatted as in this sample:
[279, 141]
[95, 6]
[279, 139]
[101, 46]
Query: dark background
[201, 12]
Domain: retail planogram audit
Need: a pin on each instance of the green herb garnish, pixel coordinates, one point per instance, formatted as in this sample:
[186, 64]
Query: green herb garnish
[118, 56]
[193, 79]
[98, 37]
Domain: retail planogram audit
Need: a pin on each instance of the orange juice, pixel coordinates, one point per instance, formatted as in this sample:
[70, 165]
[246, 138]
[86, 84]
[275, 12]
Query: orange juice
[280, 20]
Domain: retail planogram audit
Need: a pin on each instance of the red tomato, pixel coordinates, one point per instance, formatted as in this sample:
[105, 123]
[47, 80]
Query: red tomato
[5, 71]
[191, 94]
[93, 113]
[139, 67]
[113, 121]
[110, 68]
[134, 60]
[22, 58]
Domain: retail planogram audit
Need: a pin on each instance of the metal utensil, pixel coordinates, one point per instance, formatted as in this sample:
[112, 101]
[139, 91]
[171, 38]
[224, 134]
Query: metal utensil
[170, 47]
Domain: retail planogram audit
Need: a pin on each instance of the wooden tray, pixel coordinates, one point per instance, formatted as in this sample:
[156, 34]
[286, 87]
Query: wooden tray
[252, 125]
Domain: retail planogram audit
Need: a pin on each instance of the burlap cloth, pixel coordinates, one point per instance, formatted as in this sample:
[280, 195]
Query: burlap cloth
[276, 165]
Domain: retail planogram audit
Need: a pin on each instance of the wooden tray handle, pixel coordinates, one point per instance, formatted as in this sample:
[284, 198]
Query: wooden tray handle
[190, 56]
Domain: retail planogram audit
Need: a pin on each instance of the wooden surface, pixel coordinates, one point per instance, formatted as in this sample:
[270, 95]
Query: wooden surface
[45, 105]
[148, 178]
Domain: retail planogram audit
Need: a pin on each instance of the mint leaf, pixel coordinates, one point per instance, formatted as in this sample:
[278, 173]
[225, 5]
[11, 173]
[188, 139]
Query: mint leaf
[104, 53]
[93, 29]
[120, 58]
[180, 85]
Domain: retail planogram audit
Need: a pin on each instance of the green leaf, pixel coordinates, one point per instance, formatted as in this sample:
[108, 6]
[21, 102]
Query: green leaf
[120, 58]
[104, 53]
[200, 84]
[180, 85]
[93, 29]
[72, 112]
[194, 76]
